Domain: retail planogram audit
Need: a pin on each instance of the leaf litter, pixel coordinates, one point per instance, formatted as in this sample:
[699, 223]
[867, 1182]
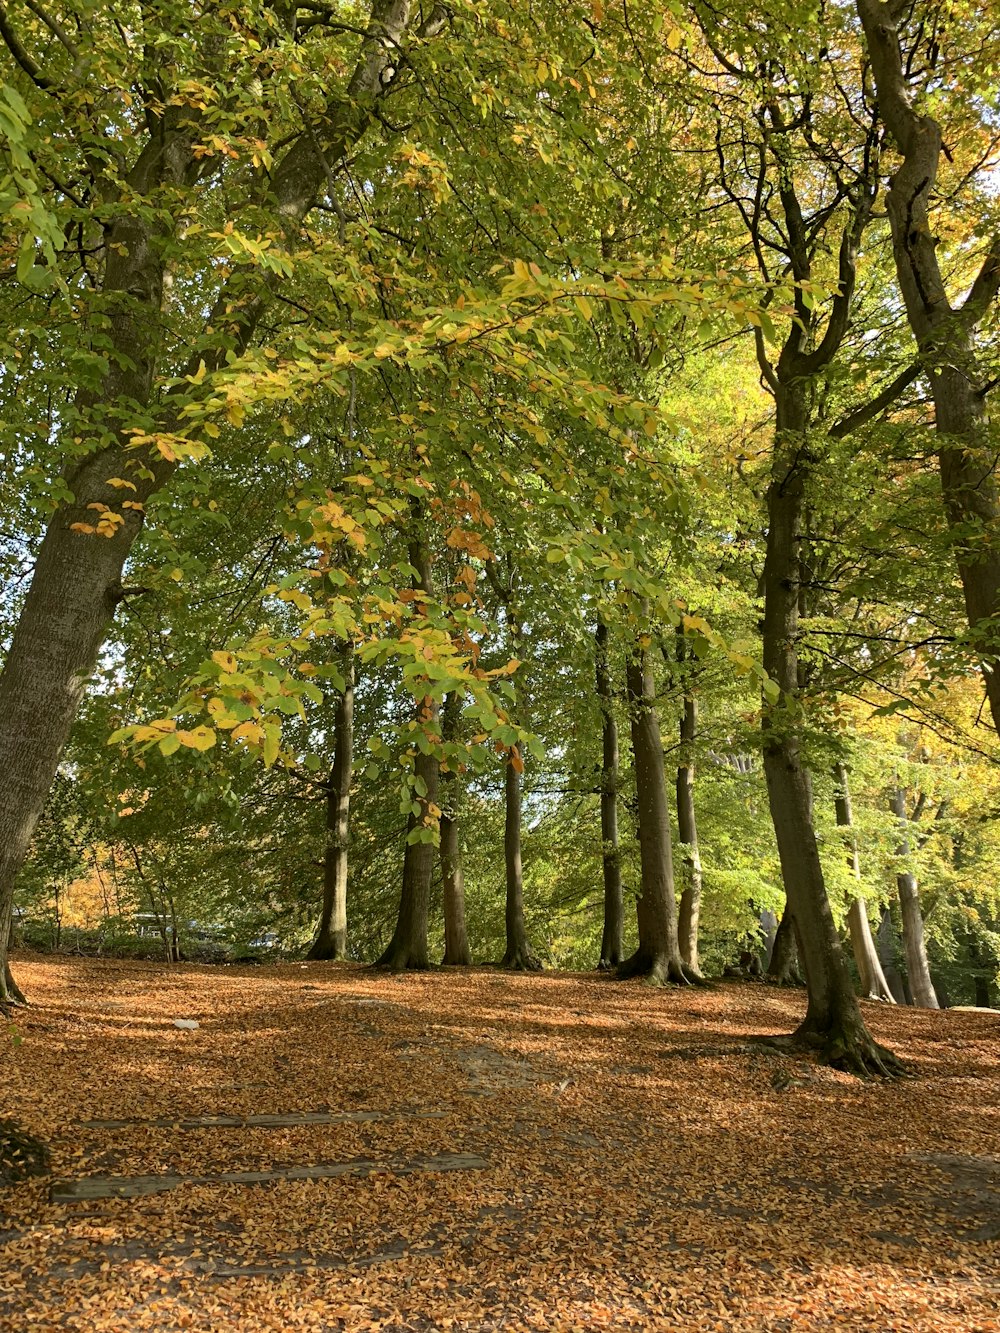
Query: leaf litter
[624, 1158]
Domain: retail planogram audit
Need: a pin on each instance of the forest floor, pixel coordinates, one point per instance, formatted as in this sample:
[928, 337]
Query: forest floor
[553, 1152]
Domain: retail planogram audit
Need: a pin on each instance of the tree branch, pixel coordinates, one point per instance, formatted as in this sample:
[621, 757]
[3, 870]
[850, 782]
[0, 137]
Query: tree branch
[875, 406]
[20, 54]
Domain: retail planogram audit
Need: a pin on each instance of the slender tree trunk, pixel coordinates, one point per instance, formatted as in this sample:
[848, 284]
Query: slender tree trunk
[11, 993]
[518, 955]
[833, 1019]
[687, 833]
[658, 956]
[873, 983]
[769, 932]
[77, 580]
[887, 957]
[456, 941]
[945, 334]
[918, 970]
[783, 965]
[331, 939]
[408, 946]
[614, 914]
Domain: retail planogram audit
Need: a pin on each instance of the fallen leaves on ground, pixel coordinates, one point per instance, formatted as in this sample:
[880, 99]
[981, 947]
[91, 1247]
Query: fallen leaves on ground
[648, 1166]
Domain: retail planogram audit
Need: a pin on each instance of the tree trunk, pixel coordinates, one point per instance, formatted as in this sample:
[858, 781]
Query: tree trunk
[408, 946]
[783, 965]
[658, 956]
[945, 334]
[873, 983]
[331, 939]
[769, 933]
[917, 967]
[887, 957]
[687, 833]
[614, 914]
[833, 1019]
[11, 992]
[518, 955]
[77, 580]
[456, 941]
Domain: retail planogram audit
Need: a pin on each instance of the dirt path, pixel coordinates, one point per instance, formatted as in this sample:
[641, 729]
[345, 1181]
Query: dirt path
[482, 1151]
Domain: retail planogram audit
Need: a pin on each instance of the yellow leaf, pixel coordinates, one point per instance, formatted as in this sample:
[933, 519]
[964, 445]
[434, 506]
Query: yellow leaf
[81, 527]
[198, 738]
[119, 482]
[272, 743]
[225, 660]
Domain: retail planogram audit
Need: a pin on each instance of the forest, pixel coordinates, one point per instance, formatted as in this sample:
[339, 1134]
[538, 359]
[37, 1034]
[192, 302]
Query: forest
[489, 483]
[500, 645]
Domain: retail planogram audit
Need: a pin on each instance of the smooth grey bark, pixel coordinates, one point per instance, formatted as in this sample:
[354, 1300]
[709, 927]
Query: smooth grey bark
[76, 583]
[833, 1020]
[687, 834]
[518, 955]
[783, 964]
[945, 333]
[918, 972]
[12, 993]
[658, 956]
[769, 933]
[874, 985]
[331, 938]
[887, 957]
[456, 940]
[408, 946]
[614, 911]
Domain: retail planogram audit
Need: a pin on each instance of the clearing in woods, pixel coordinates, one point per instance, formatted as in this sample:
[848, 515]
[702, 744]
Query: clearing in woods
[332, 1149]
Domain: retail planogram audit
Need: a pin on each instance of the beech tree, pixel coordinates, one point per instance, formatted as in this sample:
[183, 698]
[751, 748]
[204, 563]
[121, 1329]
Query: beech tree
[904, 45]
[130, 190]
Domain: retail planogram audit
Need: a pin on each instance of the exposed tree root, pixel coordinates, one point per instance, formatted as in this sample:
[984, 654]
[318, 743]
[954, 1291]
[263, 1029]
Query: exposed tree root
[326, 950]
[398, 958]
[788, 976]
[854, 1053]
[658, 969]
[11, 994]
[520, 959]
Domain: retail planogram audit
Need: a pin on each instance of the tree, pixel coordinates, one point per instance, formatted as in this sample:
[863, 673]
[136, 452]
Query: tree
[611, 937]
[145, 195]
[873, 983]
[658, 956]
[331, 936]
[687, 828]
[956, 365]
